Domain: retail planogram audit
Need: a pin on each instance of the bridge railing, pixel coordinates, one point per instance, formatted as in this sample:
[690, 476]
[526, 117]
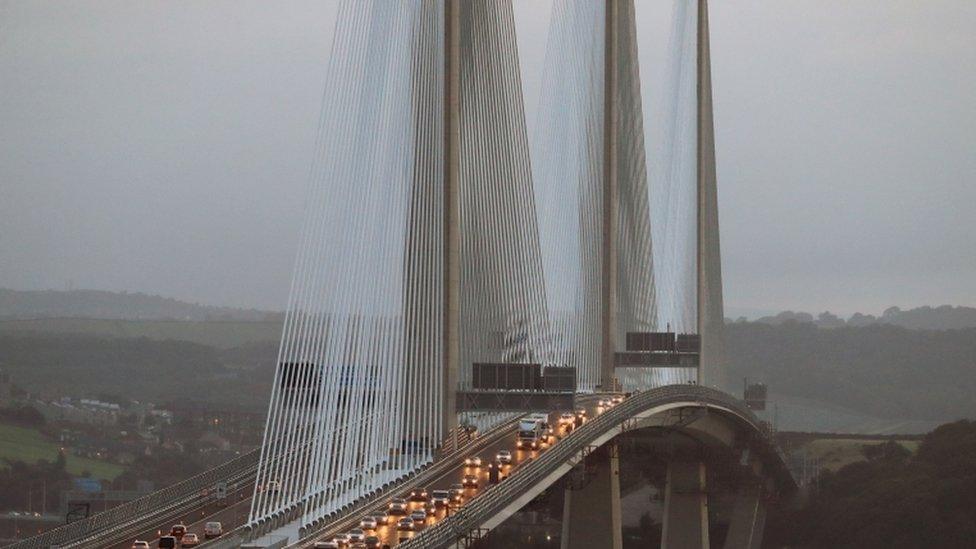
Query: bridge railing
[136, 509]
[496, 497]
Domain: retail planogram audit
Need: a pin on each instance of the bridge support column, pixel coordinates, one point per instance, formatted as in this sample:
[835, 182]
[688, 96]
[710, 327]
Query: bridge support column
[591, 515]
[452, 223]
[685, 506]
[748, 517]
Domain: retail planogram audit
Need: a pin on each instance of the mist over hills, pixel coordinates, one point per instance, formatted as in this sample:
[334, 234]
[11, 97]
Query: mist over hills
[861, 374]
[99, 304]
[881, 370]
[18, 304]
[943, 317]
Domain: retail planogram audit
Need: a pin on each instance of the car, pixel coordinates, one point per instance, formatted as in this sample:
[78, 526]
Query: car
[605, 403]
[356, 534]
[470, 481]
[567, 418]
[440, 498]
[418, 494]
[381, 519]
[368, 523]
[430, 508]
[617, 399]
[406, 523]
[139, 544]
[457, 492]
[580, 418]
[398, 506]
[273, 486]
[330, 544]
[549, 435]
[166, 542]
[342, 539]
[213, 530]
[372, 542]
[178, 530]
[189, 540]
[504, 457]
[472, 461]
[419, 516]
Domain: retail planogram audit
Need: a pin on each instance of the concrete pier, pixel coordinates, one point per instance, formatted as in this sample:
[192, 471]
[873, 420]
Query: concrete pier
[591, 515]
[685, 506]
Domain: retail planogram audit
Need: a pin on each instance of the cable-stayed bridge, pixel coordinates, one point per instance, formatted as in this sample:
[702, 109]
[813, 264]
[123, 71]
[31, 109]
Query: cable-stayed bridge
[442, 241]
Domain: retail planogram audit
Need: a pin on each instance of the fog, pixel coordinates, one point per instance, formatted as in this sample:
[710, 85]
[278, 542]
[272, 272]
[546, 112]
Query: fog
[164, 146]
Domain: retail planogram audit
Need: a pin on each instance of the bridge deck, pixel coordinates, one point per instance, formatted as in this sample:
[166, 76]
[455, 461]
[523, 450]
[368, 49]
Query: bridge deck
[502, 500]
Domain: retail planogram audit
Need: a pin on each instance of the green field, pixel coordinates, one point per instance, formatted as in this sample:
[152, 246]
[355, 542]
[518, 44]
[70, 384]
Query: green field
[220, 334]
[30, 445]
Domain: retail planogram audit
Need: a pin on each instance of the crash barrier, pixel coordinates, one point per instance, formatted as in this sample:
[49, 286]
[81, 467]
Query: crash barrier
[140, 510]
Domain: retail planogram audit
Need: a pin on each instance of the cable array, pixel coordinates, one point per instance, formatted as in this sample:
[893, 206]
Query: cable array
[503, 309]
[503, 316]
[568, 156]
[567, 168]
[356, 395]
[358, 390]
[674, 184]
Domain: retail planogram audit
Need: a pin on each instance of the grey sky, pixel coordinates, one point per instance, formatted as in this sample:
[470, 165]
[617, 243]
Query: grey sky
[163, 146]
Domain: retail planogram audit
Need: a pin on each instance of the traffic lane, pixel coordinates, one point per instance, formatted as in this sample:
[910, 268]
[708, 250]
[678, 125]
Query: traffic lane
[388, 533]
[229, 517]
[199, 515]
[381, 507]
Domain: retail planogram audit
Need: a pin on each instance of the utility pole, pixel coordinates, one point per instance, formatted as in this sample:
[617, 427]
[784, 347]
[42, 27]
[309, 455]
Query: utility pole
[609, 244]
[452, 229]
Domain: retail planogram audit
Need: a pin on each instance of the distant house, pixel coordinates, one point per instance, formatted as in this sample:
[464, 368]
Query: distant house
[84, 411]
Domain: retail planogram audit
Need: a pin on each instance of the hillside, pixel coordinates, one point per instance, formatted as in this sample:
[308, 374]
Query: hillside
[943, 317]
[890, 498]
[879, 370]
[120, 369]
[15, 304]
[222, 334]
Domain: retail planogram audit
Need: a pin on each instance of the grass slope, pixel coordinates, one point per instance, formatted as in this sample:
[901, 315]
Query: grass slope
[30, 445]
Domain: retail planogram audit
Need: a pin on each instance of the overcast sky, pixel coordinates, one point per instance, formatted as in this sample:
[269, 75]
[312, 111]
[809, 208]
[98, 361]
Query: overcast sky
[163, 146]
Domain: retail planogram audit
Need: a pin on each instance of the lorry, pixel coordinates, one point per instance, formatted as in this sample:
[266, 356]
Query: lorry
[532, 432]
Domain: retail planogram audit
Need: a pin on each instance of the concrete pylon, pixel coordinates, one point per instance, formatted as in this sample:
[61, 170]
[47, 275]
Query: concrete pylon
[711, 311]
[452, 230]
[591, 516]
[748, 517]
[608, 278]
[685, 506]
